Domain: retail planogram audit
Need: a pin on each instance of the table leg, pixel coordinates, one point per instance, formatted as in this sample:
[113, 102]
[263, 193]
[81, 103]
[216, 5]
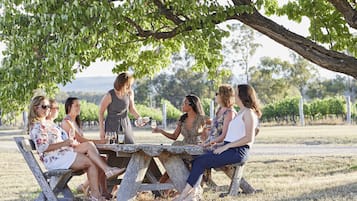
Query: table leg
[176, 169]
[133, 176]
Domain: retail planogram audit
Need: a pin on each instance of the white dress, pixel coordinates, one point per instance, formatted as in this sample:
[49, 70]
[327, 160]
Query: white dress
[45, 133]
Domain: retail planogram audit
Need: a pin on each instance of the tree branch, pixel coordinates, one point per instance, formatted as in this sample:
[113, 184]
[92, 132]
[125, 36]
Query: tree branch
[168, 13]
[156, 35]
[347, 11]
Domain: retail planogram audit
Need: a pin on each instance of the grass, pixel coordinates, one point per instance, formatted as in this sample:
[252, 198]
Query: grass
[281, 177]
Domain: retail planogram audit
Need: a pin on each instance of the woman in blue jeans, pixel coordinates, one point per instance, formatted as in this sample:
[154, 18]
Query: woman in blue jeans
[240, 137]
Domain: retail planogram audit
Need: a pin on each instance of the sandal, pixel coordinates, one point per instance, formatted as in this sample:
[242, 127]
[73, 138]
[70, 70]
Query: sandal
[107, 196]
[92, 198]
[82, 189]
[114, 172]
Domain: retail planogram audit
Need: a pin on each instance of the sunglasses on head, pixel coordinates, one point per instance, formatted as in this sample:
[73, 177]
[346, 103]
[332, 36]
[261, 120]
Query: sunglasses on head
[191, 100]
[45, 107]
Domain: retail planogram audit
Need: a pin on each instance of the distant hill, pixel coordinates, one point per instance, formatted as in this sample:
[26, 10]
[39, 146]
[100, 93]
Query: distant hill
[90, 84]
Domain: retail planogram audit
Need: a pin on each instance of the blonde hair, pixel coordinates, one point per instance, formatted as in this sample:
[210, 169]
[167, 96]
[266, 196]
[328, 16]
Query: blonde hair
[33, 116]
[226, 93]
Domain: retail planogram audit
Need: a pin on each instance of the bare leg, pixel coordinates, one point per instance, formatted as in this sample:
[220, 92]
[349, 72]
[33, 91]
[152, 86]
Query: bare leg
[101, 181]
[83, 162]
[91, 151]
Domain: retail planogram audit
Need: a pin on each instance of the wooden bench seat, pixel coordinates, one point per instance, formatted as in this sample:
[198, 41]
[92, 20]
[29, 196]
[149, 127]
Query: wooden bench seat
[53, 183]
[235, 173]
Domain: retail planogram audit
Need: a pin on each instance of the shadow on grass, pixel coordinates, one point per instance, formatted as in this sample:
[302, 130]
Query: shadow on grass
[343, 192]
[27, 196]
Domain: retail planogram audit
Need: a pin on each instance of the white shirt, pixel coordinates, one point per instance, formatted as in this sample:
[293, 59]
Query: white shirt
[236, 128]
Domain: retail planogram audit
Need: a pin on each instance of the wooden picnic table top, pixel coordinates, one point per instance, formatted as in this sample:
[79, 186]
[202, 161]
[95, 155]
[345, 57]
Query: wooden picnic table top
[152, 149]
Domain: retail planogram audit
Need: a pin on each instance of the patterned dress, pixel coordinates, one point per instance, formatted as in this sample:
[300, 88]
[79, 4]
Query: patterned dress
[45, 133]
[190, 135]
[217, 125]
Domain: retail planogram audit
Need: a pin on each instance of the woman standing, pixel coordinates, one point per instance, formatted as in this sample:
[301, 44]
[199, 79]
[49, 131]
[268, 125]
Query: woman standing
[118, 102]
[240, 137]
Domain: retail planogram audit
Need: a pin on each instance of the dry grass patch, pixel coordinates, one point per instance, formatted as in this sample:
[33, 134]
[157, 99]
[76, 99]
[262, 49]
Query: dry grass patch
[283, 178]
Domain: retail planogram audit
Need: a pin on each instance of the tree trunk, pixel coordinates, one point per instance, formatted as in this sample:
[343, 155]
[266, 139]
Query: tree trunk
[311, 51]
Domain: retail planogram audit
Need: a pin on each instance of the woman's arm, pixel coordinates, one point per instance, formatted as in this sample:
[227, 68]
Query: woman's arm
[67, 126]
[106, 100]
[172, 136]
[248, 139]
[132, 108]
[227, 119]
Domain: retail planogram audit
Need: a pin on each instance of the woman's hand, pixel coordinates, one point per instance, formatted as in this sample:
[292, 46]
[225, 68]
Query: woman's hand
[156, 130]
[221, 149]
[69, 142]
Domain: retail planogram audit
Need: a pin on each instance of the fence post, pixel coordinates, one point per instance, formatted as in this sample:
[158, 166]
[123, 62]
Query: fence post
[211, 110]
[301, 111]
[348, 104]
[164, 115]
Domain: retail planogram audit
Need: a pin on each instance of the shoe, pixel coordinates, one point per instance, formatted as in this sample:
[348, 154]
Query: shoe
[107, 196]
[114, 172]
[92, 198]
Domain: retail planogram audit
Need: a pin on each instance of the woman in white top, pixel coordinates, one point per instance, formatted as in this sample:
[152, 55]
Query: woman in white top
[240, 137]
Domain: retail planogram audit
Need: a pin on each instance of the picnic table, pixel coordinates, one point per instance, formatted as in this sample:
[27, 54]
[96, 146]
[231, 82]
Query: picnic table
[141, 159]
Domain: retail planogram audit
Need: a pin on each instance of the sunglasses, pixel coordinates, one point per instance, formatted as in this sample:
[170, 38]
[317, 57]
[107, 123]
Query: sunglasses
[45, 107]
[191, 101]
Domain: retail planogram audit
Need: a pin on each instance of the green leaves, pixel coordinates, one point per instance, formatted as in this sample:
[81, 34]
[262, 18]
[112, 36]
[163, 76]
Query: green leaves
[49, 41]
[327, 25]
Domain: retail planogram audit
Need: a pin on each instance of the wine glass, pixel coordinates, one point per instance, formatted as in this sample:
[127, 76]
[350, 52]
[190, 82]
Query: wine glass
[153, 123]
[121, 138]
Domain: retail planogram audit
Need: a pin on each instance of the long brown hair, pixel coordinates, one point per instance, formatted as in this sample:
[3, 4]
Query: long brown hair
[68, 106]
[247, 95]
[195, 103]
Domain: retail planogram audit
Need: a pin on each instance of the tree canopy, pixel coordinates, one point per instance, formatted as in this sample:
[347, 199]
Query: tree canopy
[48, 42]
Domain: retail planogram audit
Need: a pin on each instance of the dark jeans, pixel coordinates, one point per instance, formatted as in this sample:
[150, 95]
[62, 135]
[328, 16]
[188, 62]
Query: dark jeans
[211, 160]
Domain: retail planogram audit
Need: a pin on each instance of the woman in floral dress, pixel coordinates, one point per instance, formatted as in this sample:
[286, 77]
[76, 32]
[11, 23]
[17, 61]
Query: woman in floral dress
[57, 153]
